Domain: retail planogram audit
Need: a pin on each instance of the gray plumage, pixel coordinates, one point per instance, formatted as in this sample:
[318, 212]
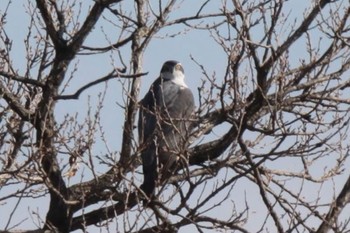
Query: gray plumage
[164, 124]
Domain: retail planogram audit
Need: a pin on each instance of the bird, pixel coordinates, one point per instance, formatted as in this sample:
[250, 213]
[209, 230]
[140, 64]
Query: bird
[164, 124]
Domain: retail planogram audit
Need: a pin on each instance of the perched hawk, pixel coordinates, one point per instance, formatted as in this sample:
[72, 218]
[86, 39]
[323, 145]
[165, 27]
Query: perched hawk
[164, 124]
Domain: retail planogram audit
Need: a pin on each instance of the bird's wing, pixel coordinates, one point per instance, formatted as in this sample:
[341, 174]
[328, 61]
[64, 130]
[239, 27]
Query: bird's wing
[147, 120]
[146, 128]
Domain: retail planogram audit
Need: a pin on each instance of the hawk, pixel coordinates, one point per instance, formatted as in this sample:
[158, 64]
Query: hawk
[164, 124]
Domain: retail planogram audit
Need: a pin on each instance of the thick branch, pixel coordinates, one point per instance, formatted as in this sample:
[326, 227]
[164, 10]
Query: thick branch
[89, 23]
[48, 20]
[101, 214]
[339, 204]
[213, 149]
[15, 104]
[21, 79]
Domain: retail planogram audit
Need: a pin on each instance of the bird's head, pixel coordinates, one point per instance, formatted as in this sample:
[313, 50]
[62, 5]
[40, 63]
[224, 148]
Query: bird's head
[173, 70]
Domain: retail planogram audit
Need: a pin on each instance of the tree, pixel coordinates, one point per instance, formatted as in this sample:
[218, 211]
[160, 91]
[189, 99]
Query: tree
[269, 151]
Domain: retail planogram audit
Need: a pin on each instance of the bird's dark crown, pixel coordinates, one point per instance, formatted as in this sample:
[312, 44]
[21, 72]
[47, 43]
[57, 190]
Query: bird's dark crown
[170, 65]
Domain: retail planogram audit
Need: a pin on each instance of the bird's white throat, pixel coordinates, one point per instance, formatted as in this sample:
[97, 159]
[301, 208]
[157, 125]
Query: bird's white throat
[177, 77]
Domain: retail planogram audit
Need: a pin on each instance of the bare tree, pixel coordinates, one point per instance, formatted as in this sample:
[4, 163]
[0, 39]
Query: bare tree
[269, 150]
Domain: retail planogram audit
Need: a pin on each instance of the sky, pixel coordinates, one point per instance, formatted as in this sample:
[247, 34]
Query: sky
[199, 45]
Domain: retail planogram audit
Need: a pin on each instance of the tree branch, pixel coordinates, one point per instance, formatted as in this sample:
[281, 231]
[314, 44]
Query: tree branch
[47, 18]
[213, 149]
[338, 205]
[21, 79]
[89, 23]
[102, 214]
[261, 186]
[15, 104]
[297, 34]
[110, 47]
[109, 76]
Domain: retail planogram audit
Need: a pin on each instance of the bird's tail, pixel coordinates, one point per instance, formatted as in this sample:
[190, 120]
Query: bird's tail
[149, 172]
